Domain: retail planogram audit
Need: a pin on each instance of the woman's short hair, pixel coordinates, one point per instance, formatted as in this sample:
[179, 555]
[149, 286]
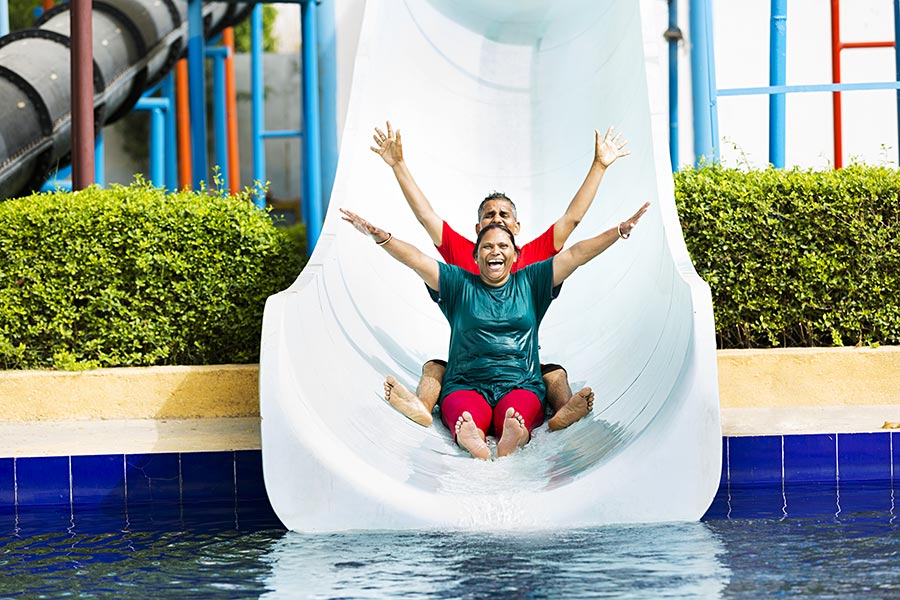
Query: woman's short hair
[487, 228]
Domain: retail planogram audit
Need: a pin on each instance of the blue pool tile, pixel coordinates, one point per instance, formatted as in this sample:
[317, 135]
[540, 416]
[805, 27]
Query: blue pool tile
[98, 480]
[754, 501]
[153, 478]
[723, 477]
[207, 476]
[754, 459]
[865, 497]
[36, 519]
[864, 456]
[895, 445]
[249, 469]
[811, 498]
[7, 482]
[7, 521]
[43, 480]
[719, 508]
[810, 458]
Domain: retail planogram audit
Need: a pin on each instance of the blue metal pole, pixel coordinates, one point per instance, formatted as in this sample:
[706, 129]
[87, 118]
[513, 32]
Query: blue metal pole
[711, 81]
[220, 119]
[897, 66]
[197, 87]
[4, 17]
[99, 160]
[157, 107]
[157, 145]
[171, 143]
[673, 35]
[312, 167]
[777, 76]
[256, 104]
[328, 90]
[700, 90]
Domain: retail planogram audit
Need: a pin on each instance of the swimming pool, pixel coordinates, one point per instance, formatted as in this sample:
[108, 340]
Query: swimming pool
[811, 516]
[210, 554]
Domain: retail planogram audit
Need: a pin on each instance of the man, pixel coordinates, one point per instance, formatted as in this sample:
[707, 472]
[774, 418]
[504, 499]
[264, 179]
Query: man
[457, 250]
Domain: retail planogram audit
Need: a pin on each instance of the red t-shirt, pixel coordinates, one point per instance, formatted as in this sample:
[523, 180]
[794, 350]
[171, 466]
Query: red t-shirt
[457, 250]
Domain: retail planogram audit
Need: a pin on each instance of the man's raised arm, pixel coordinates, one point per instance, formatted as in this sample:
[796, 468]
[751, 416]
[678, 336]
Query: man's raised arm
[606, 151]
[390, 148]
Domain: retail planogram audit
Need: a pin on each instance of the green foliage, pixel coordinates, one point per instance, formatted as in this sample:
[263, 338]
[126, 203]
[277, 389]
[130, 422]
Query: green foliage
[133, 276]
[242, 31]
[21, 13]
[796, 258]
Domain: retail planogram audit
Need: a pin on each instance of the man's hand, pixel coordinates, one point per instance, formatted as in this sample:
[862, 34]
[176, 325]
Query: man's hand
[389, 146]
[607, 149]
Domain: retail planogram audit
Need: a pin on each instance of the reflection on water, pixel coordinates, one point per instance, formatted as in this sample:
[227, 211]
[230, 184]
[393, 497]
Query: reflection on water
[830, 554]
[645, 561]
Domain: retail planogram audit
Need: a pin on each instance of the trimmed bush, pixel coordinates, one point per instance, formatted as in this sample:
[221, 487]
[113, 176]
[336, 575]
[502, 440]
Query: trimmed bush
[796, 258]
[133, 276]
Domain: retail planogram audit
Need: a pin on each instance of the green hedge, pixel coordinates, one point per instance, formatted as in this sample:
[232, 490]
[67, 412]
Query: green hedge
[133, 276]
[796, 258]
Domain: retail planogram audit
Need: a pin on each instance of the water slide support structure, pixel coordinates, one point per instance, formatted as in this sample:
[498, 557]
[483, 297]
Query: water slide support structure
[136, 43]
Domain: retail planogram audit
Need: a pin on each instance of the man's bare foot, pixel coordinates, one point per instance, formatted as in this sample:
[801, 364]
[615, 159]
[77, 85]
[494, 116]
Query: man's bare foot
[470, 437]
[575, 409]
[406, 402]
[514, 435]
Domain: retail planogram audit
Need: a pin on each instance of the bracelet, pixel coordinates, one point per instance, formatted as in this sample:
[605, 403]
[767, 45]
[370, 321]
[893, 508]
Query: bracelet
[386, 240]
[622, 235]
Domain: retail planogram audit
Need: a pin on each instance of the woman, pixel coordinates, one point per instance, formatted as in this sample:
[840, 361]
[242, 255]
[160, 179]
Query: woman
[493, 379]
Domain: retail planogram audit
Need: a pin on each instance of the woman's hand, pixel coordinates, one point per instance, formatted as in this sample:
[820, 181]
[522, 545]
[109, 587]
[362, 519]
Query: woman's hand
[625, 227]
[608, 149]
[376, 233]
[388, 145]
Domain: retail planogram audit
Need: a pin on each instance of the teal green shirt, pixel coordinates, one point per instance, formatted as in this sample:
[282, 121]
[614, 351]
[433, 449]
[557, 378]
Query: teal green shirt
[494, 330]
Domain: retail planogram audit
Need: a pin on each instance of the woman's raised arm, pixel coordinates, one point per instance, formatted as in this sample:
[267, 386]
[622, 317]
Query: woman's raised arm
[565, 263]
[424, 266]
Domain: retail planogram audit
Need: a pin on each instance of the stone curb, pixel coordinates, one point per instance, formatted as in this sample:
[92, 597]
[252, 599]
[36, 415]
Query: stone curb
[779, 378]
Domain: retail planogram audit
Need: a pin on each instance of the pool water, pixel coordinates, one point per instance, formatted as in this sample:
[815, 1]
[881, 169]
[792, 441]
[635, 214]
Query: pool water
[837, 554]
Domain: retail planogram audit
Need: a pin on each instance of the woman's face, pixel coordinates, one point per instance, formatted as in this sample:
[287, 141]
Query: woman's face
[496, 257]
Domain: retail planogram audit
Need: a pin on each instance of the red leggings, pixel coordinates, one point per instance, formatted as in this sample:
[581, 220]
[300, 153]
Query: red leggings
[524, 401]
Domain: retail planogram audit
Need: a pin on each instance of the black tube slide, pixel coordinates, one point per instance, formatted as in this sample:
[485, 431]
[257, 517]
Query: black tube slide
[135, 44]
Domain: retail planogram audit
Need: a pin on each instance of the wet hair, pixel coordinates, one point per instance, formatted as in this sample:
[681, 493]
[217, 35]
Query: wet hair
[495, 196]
[487, 228]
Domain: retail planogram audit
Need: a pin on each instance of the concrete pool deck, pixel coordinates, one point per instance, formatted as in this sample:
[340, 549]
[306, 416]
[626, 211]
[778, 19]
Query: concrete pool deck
[216, 408]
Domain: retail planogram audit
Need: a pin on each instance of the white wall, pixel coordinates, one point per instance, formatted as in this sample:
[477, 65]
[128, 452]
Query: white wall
[742, 60]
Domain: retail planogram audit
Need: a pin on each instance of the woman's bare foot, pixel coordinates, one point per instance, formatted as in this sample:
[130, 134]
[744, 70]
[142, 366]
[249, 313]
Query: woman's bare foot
[406, 402]
[514, 435]
[470, 437]
[575, 409]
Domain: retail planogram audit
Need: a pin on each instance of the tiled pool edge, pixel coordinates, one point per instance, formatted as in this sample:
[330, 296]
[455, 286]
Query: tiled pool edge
[131, 489]
[187, 481]
[807, 475]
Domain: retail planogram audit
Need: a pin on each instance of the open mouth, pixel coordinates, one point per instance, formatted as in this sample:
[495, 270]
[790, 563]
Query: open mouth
[495, 265]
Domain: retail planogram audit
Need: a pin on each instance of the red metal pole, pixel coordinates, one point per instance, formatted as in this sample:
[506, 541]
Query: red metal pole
[867, 45]
[82, 63]
[234, 161]
[183, 118]
[836, 78]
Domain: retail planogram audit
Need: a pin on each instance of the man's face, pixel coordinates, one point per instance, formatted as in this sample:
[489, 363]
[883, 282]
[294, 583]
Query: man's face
[498, 211]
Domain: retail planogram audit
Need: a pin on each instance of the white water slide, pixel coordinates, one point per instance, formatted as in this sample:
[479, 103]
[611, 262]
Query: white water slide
[496, 95]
